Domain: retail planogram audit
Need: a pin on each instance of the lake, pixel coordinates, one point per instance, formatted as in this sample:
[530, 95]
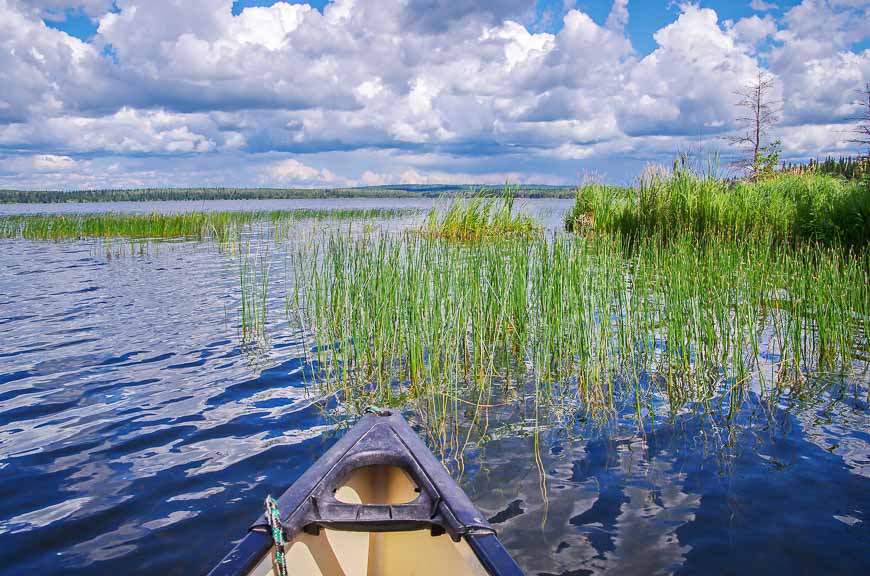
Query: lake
[138, 434]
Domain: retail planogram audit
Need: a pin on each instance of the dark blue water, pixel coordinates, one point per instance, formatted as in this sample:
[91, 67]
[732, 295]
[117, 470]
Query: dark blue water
[136, 436]
[777, 494]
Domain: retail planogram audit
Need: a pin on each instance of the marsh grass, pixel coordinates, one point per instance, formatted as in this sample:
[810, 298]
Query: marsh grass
[254, 275]
[667, 324]
[790, 209]
[223, 227]
[479, 216]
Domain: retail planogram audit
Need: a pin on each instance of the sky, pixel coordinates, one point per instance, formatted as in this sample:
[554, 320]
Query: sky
[150, 93]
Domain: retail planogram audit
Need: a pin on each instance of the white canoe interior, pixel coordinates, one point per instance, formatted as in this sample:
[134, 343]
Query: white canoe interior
[337, 553]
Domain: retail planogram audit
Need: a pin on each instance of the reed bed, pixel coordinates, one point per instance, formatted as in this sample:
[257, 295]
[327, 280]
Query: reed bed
[667, 324]
[789, 209]
[479, 216]
[221, 226]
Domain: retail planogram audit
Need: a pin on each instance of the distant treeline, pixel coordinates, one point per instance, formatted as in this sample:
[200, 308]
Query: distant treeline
[848, 167]
[161, 194]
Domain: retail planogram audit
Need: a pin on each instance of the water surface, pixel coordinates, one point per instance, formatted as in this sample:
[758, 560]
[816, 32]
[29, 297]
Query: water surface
[137, 436]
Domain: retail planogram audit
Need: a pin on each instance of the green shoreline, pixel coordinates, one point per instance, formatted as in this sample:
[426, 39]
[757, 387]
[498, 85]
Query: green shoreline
[195, 194]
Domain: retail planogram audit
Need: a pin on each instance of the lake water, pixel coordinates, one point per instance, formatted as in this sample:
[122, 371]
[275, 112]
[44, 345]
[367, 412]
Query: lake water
[136, 436]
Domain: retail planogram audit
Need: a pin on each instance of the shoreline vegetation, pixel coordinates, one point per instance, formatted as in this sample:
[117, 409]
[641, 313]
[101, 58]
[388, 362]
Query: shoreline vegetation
[196, 194]
[788, 209]
[849, 168]
[221, 226]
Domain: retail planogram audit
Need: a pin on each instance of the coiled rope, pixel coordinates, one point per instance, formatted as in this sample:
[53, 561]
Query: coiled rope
[279, 556]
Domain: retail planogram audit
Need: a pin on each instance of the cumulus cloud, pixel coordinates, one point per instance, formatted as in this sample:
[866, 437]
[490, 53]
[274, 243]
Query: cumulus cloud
[294, 172]
[42, 172]
[44, 71]
[57, 9]
[687, 84]
[417, 176]
[815, 63]
[41, 163]
[826, 139]
[762, 6]
[754, 29]
[126, 131]
[820, 28]
[281, 84]
[439, 15]
[618, 17]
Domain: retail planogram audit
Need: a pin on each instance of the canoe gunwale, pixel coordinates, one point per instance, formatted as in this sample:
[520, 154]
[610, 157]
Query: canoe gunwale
[245, 555]
[492, 555]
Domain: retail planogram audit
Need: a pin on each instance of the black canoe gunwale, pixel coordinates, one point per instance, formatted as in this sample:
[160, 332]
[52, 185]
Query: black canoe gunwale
[379, 438]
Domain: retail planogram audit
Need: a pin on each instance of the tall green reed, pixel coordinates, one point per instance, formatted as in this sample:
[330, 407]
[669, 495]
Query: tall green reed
[790, 209]
[255, 264]
[657, 323]
[479, 216]
[220, 226]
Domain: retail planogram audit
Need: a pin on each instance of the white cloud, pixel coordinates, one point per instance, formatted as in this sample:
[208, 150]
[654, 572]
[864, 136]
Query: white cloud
[754, 29]
[126, 131]
[618, 17]
[41, 163]
[815, 64]
[56, 9]
[822, 139]
[762, 6]
[820, 28]
[109, 172]
[470, 80]
[52, 163]
[44, 71]
[687, 84]
[293, 172]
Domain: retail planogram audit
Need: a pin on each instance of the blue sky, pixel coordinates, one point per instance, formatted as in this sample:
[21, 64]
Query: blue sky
[354, 92]
[647, 16]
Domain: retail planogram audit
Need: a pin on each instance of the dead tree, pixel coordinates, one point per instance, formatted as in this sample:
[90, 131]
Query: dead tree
[861, 131]
[758, 115]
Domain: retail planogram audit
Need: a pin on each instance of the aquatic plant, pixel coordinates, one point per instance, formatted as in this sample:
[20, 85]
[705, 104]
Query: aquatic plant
[221, 226]
[789, 209]
[655, 324]
[254, 272]
[479, 216]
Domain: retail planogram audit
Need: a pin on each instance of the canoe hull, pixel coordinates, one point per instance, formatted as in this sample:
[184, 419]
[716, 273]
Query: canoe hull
[376, 503]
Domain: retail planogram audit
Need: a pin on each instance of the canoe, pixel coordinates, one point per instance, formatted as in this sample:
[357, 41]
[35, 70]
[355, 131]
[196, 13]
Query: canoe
[377, 502]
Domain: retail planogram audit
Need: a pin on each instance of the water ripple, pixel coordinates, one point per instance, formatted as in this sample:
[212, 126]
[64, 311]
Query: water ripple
[136, 436]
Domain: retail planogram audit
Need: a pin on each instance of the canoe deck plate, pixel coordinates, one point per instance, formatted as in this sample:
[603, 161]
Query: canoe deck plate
[378, 439]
